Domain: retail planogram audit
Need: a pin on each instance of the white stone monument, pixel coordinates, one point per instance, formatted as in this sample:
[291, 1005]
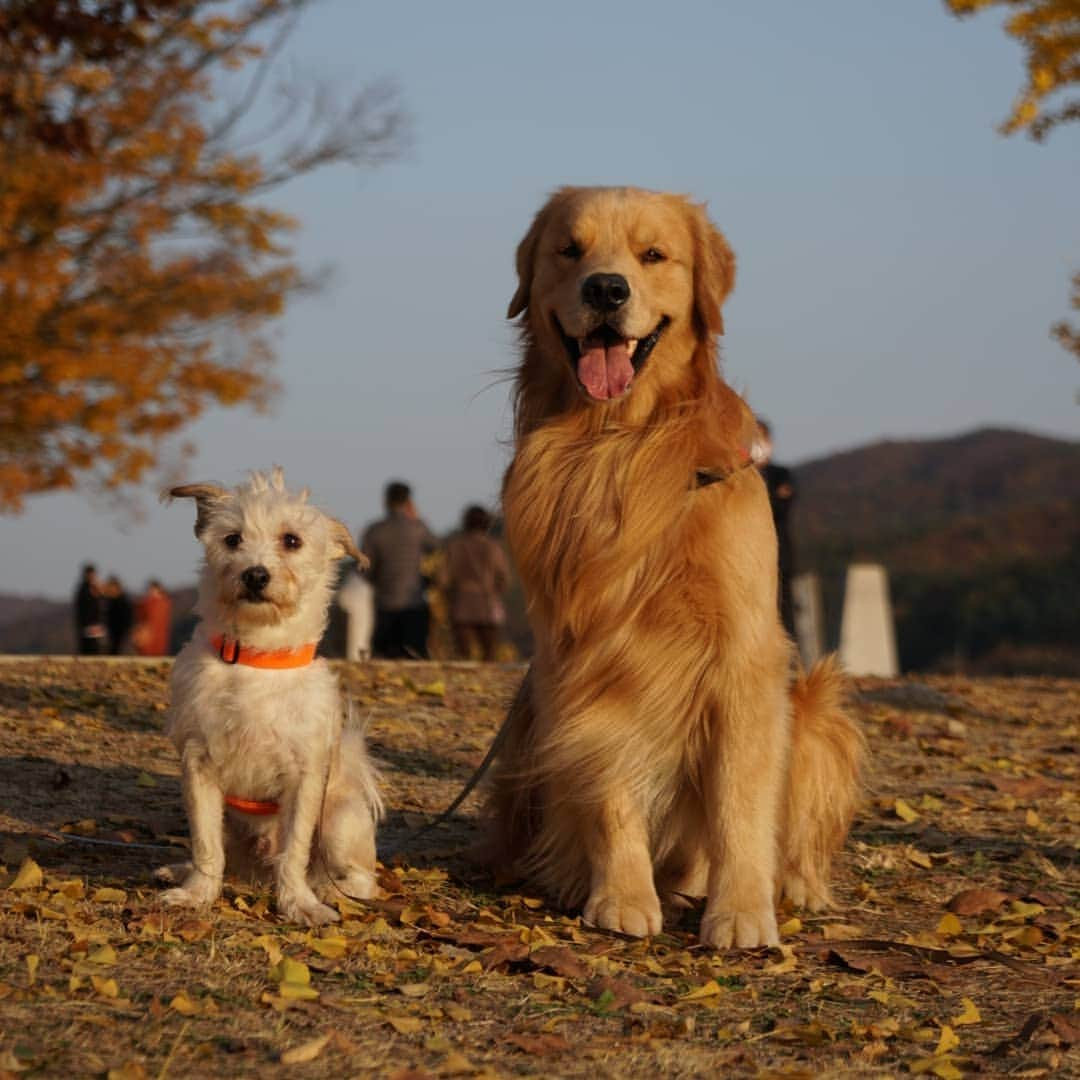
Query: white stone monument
[809, 618]
[867, 634]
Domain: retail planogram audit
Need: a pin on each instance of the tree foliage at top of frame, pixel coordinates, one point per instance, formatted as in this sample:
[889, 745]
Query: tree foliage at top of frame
[139, 259]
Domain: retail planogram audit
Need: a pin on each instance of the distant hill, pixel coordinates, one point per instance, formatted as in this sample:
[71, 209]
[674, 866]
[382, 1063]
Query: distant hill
[981, 536]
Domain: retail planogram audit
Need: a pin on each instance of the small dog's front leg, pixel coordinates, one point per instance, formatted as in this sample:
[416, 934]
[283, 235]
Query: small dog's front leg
[296, 901]
[205, 804]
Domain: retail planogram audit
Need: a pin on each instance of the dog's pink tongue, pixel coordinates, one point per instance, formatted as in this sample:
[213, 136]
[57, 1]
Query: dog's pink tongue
[605, 371]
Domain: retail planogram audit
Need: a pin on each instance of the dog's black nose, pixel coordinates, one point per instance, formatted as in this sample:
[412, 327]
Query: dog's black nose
[255, 578]
[605, 292]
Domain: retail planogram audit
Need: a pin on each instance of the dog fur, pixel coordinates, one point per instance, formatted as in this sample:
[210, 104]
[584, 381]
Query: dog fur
[269, 734]
[659, 746]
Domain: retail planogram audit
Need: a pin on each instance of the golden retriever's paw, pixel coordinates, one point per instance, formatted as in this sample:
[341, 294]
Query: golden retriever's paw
[805, 894]
[305, 910]
[198, 890]
[638, 916]
[740, 929]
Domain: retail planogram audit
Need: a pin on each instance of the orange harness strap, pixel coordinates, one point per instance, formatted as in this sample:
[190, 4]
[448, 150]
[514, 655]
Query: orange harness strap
[251, 806]
[232, 652]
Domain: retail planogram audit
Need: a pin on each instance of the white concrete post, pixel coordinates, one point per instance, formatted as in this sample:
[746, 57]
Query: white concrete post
[867, 634]
[809, 617]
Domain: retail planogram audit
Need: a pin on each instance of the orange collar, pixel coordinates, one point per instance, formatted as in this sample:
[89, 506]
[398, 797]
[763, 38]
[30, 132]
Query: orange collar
[251, 806]
[232, 652]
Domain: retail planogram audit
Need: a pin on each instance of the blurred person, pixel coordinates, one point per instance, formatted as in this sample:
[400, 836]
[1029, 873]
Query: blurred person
[781, 486]
[119, 614]
[153, 621]
[476, 576]
[90, 630]
[395, 546]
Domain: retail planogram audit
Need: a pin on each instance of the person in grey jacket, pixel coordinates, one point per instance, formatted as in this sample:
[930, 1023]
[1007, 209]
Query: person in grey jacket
[395, 546]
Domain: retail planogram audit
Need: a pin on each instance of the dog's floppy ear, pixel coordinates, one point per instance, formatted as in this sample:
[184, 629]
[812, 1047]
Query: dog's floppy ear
[206, 497]
[526, 264]
[347, 549]
[527, 251]
[714, 272]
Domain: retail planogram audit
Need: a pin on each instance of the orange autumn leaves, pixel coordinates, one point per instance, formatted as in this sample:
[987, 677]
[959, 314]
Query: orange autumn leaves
[1049, 32]
[137, 267]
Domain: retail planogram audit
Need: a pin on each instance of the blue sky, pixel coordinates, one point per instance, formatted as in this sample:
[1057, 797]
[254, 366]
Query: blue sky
[900, 263]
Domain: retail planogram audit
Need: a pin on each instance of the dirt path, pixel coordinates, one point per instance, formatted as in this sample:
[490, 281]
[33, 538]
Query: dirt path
[973, 807]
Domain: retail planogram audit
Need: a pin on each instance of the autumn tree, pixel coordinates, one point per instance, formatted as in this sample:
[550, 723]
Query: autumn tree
[1049, 32]
[139, 260]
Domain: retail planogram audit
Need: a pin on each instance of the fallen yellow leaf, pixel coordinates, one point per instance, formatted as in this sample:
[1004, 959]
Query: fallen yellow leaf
[292, 971]
[105, 954]
[405, 1025]
[948, 1041]
[307, 1051]
[455, 1064]
[941, 1067]
[905, 811]
[29, 876]
[970, 1015]
[711, 989]
[950, 926]
[919, 858]
[183, 1004]
[333, 948]
[270, 946]
[105, 987]
[109, 896]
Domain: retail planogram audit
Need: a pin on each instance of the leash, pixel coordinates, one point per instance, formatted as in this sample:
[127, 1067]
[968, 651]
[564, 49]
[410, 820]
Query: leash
[470, 784]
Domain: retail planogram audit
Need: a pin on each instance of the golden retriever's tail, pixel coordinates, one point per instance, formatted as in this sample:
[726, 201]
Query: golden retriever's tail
[824, 785]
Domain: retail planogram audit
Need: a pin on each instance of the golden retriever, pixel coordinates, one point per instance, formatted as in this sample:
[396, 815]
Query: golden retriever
[659, 745]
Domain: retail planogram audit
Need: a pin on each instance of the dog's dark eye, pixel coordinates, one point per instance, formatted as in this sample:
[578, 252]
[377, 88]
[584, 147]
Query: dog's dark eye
[232, 541]
[571, 251]
[292, 542]
[652, 255]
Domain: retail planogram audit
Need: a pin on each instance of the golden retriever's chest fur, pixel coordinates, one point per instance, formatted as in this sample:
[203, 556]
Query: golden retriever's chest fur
[607, 524]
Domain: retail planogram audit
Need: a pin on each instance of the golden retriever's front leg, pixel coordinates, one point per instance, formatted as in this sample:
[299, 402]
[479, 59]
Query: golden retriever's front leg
[205, 804]
[622, 893]
[296, 901]
[743, 798]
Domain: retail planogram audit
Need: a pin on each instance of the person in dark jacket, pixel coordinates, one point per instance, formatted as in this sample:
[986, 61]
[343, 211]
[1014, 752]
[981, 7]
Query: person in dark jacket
[119, 614]
[781, 486]
[89, 605]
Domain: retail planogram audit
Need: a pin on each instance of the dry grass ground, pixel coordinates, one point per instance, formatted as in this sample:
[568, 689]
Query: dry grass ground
[953, 950]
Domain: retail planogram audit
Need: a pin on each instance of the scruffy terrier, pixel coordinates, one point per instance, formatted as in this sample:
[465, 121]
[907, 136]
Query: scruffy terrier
[271, 778]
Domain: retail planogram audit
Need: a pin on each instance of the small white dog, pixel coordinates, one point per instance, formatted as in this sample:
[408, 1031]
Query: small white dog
[356, 598]
[270, 777]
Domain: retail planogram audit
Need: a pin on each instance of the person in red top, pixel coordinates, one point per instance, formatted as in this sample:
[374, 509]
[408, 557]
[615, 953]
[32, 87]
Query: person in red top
[153, 622]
